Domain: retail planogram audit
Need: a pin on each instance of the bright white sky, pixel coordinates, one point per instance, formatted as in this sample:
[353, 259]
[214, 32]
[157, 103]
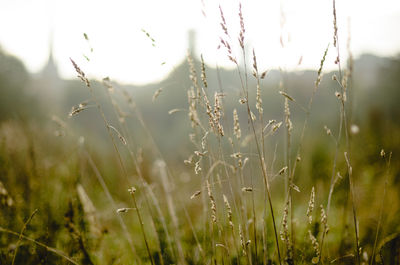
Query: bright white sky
[123, 52]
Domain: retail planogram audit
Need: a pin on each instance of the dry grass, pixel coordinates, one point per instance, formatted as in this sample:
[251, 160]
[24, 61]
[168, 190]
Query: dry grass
[236, 203]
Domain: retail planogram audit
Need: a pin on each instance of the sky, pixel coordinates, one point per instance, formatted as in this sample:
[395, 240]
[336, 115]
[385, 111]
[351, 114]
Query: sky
[119, 48]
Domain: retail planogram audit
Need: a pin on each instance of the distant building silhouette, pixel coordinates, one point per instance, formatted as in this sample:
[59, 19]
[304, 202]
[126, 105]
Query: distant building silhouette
[47, 83]
[50, 70]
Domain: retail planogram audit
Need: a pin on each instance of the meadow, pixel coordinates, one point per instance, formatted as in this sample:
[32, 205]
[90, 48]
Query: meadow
[265, 173]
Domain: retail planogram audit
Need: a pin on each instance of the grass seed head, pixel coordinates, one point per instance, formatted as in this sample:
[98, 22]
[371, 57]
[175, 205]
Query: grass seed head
[283, 170]
[324, 218]
[156, 94]
[213, 204]
[196, 194]
[122, 138]
[203, 72]
[263, 74]
[288, 122]
[319, 75]
[315, 244]
[236, 126]
[311, 205]
[259, 100]
[132, 190]
[335, 28]
[124, 210]
[81, 74]
[242, 241]
[327, 130]
[286, 95]
[228, 210]
[242, 29]
[197, 167]
[5, 198]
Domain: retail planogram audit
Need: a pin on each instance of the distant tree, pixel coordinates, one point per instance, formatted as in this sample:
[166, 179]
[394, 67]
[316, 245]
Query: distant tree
[389, 89]
[13, 79]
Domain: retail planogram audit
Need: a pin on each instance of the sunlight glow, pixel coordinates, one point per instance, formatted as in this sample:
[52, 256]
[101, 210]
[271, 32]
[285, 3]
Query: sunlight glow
[122, 51]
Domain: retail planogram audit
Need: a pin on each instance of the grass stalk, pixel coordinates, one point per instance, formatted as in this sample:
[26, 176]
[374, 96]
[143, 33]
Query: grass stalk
[372, 262]
[132, 192]
[350, 172]
[103, 184]
[54, 250]
[21, 234]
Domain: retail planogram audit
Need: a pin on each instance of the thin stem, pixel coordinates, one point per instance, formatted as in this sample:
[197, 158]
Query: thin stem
[132, 192]
[112, 201]
[332, 184]
[266, 182]
[139, 116]
[382, 207]
[140, 173]
[54, 250]
[350, 169]
[262, 163]
[81, 75]
[21, 234]
[343, 123]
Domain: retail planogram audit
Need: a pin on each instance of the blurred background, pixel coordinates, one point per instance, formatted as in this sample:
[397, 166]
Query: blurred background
[142, 50]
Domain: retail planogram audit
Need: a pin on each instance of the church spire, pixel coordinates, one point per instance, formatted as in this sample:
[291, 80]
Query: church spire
[51, 40]
[50, 70]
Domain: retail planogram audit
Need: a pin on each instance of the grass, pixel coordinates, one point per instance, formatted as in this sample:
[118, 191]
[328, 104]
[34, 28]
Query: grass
[245, 201]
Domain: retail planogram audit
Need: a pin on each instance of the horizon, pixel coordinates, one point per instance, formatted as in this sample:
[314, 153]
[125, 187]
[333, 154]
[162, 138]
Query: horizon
[183, 61]
[123, 51]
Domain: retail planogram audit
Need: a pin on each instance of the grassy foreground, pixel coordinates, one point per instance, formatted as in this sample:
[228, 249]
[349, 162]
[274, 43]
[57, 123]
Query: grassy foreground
[252, 189]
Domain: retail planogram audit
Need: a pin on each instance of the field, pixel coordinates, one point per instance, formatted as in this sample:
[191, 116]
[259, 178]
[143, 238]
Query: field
[279, 169]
